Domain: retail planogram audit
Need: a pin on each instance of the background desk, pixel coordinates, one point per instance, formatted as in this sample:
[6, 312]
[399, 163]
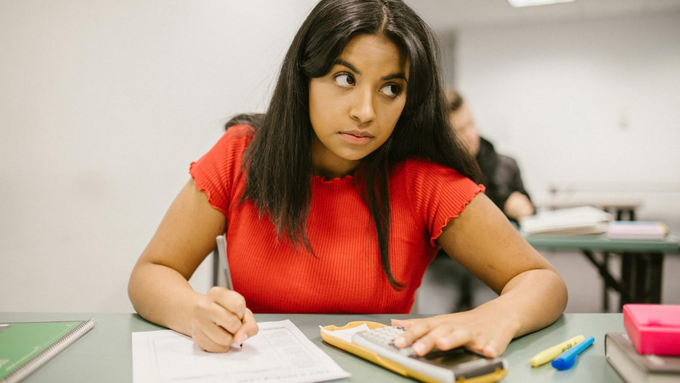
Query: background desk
[617, 206]
[105, 353]
[641, 263]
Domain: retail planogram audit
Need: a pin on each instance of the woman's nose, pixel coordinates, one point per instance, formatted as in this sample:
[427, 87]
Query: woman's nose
[362, 110]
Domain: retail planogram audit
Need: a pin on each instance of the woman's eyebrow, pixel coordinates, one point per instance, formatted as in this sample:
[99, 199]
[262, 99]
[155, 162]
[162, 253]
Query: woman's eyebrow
[357, 71]
[348, 65]
[395, 75]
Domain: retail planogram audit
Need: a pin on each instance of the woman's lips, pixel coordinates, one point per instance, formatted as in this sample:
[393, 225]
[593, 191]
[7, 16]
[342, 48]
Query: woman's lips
[356, 138]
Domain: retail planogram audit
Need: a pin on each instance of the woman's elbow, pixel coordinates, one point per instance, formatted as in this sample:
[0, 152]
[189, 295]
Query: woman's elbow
[560, 293]
[134, 286]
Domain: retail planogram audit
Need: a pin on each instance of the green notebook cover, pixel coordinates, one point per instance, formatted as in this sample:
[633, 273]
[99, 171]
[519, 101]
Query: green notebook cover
[24, 347]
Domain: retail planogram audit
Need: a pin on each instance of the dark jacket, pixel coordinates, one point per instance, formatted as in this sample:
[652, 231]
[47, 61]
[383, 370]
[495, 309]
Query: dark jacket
[500, 173]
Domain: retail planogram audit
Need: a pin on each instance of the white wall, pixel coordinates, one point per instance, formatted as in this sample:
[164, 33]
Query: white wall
[103, 105]
[555, 96]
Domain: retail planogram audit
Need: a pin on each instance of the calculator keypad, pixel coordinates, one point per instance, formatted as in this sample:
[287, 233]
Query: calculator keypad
[381, 342]
[384, 336]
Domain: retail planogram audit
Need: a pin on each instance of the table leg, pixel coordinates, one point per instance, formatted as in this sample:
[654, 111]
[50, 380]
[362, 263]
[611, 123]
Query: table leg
[610, 282]
[641, 277]
[605, 292]
[625, 279]
[465, 300]
[655, 277]
[629, 212]
[641, 271]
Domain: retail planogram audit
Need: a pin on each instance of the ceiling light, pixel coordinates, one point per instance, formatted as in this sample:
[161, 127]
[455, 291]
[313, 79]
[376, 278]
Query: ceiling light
[531, 3]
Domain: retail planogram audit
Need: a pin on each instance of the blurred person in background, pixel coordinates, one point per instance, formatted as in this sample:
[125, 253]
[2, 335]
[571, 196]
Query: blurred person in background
[504, 186]
[501, 175]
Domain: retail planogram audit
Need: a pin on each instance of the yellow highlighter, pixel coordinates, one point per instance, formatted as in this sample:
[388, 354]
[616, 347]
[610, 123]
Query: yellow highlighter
[553, 352]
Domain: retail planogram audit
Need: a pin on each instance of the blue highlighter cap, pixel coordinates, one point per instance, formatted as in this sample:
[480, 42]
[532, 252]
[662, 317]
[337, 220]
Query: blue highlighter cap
[568, 358]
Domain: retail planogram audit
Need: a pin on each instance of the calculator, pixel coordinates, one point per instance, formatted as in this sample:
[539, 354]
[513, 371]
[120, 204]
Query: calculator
[442, 366]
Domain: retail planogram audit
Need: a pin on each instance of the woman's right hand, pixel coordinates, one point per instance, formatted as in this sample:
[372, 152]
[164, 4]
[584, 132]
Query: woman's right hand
[220, 319]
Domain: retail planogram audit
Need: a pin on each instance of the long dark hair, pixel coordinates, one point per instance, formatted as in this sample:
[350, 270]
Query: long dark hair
[278, 162]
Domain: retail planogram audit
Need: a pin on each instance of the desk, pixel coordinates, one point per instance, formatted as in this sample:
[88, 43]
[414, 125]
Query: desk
[105, 353]
[616, 206]
[641, 263]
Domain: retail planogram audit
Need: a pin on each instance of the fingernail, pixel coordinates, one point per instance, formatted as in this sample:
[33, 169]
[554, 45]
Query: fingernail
[419, 348]
[242, 339]
[399, 341]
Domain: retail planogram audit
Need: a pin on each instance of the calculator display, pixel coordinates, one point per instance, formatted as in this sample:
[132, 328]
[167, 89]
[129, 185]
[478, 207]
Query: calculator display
[465, 363]
[452, 357]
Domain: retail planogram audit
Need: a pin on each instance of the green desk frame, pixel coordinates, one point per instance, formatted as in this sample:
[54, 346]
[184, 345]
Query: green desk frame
[641, 263]
[105, 353]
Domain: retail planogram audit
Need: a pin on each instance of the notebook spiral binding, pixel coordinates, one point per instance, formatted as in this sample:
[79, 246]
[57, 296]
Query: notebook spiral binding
[49, 353]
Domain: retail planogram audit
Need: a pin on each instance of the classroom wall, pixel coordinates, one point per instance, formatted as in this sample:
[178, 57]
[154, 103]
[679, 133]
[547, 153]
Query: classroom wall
[594, 103]
[103, 105]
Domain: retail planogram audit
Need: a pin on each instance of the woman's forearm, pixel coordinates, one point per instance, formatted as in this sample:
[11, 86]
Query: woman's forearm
[163, 296]
[532, 300]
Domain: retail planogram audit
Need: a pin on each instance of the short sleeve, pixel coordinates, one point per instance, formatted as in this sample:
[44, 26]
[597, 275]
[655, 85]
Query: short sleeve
[217, 171]
[438, 194]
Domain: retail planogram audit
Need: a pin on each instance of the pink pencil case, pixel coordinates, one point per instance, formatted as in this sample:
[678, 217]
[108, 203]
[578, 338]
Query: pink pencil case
[653, 329]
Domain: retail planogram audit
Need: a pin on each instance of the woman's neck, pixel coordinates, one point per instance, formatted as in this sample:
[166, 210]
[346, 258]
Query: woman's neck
[329, 165]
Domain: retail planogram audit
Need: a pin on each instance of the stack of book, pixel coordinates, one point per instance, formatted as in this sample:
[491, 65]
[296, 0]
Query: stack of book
[649, 351]
[637, 230]
[574, 221]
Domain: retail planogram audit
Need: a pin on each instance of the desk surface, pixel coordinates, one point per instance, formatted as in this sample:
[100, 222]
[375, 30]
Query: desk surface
[105, 353]
[601, 242]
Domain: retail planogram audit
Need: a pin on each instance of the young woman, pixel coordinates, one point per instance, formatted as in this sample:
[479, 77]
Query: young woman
[339, 198]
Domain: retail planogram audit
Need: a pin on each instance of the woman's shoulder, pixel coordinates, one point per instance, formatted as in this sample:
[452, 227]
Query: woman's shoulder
[235, 140]
[421, 177]
[240, 133]
[226, 155]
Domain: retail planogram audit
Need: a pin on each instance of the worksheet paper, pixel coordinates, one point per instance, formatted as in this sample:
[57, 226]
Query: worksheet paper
[279, 352]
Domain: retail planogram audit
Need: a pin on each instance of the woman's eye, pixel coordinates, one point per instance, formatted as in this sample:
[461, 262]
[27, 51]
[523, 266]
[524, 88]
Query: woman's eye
[391, 90]
[344, 79]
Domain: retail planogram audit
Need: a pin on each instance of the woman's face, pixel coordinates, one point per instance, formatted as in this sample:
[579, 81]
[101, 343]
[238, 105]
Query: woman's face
[464, 126]
[355, 106]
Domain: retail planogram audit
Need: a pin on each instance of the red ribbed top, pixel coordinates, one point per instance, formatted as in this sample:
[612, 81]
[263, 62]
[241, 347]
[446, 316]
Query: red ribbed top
[346, 275]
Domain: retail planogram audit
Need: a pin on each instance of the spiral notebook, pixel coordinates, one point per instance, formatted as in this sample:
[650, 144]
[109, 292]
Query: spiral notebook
[25, 347]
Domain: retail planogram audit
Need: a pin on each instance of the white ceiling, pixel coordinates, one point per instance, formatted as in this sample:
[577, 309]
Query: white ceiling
[451, 14]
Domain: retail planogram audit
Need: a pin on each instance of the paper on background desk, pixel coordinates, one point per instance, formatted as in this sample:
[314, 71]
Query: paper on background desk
[279, 352]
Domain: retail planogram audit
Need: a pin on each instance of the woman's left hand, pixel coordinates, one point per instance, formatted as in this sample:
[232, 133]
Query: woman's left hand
[477, 330]
[531, 293]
